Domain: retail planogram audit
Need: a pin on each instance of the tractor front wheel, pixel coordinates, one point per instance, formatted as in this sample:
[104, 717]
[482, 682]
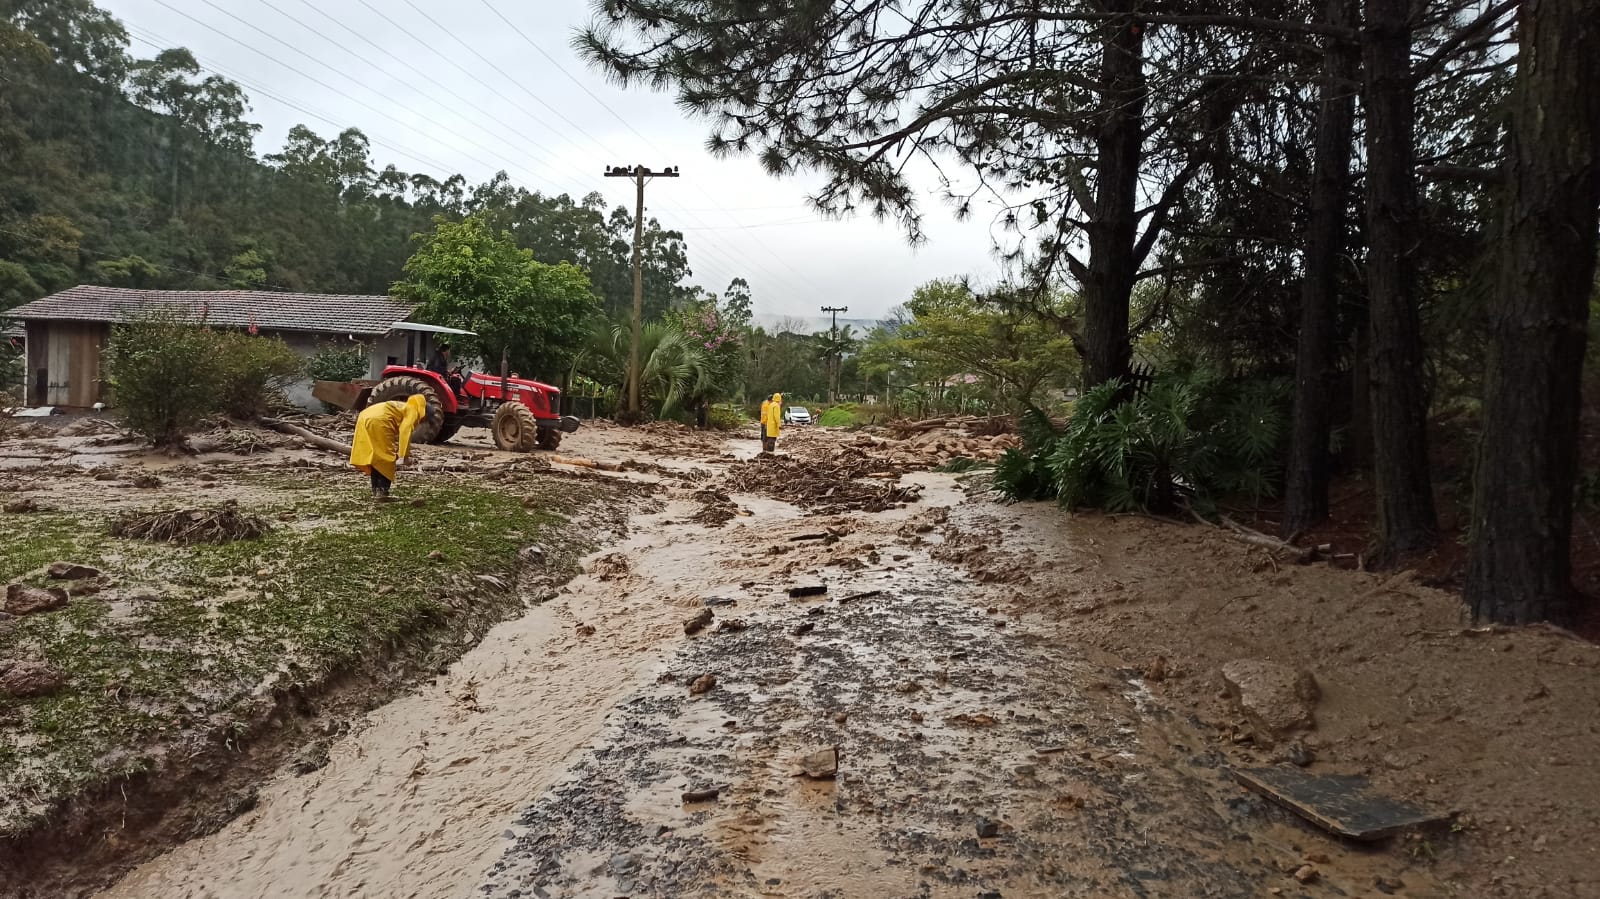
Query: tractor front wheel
[426, 430]
[549, 439]
[515, 428]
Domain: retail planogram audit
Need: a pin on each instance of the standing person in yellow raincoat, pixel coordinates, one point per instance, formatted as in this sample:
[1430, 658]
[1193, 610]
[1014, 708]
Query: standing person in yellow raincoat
[771, 419]
[381, 430]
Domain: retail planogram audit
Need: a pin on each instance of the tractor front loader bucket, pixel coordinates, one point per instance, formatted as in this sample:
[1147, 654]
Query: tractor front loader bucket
[345, 395]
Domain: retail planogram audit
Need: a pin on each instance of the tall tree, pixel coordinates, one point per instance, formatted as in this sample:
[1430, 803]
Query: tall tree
[1522, 509]
[1407, 521]
[1306, 490]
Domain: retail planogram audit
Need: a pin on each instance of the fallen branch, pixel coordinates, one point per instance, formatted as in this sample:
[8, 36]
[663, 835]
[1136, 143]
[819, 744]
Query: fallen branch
[1256, 538]
[315, 439]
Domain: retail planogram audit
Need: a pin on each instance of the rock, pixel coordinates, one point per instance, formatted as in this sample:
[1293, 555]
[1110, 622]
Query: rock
[822, 764]
[585, 630]
[802, 590]
[988, 828]
[531, 555]
[22, 599]
[21, 506]
[840, 717]
[732, 625]
[805, 627]
[28, 679]
[436, 556]
[1306, 873]
[699, 622]
[1300, 755]
[1388, 885]
[622, 863]
[1276, 699]
[312, 757]
[702, 684]
[72, 571]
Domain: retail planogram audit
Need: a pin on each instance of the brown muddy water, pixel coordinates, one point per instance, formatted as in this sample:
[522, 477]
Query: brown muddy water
[979, 754]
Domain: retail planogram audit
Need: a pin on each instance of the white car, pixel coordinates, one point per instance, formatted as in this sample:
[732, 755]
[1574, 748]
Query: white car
[797, 415]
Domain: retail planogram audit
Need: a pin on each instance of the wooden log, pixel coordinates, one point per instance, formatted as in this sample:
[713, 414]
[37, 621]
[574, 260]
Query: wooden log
[314, 439]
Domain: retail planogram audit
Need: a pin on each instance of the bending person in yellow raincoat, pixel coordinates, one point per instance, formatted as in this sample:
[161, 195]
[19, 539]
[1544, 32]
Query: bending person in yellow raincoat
[383, 438]
[771, 420]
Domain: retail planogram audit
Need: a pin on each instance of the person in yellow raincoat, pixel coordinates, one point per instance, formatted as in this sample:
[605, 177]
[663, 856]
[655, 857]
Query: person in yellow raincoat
[383, 438]
[771, 420]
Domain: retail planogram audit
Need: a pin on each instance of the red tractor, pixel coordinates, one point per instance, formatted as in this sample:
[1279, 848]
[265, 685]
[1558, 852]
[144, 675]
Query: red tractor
[523, 414]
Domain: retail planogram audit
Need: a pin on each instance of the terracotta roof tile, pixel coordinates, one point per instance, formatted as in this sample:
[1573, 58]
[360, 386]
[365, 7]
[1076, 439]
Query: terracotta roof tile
[267, 310]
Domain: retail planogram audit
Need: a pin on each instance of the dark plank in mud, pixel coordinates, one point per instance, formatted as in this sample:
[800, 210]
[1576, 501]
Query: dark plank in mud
[1342, 803]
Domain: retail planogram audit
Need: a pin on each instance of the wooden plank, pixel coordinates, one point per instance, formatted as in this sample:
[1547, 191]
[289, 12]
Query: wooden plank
[1342, 804]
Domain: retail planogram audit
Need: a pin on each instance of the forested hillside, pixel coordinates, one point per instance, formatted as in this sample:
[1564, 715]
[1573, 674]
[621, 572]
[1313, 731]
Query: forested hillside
[142, 173]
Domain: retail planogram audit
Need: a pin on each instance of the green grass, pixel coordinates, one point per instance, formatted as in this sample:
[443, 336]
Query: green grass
[344, 581]
[840, 416]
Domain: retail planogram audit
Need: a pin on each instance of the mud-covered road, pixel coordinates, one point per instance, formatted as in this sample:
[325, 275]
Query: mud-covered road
[593, 748]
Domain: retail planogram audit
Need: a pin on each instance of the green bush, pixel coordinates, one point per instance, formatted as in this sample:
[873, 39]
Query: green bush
[840, 416]
[338, 363]
[167, 373]
[163, 370]
[1187, 440]
[727, 417]
[255, 372]
[11, 370]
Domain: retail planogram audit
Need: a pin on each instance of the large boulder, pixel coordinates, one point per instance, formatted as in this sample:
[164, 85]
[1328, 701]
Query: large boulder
[22, 599]
[28, 679]
[1276, 699]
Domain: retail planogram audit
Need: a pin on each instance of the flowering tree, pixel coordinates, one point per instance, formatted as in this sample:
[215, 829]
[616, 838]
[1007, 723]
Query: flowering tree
[709, 329]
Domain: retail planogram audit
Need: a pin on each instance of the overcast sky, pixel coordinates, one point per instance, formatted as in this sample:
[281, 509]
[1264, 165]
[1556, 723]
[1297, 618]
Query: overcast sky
[444, 86]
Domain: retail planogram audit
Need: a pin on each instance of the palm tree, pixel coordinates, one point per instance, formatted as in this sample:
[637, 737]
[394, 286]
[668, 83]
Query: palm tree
[674, 369]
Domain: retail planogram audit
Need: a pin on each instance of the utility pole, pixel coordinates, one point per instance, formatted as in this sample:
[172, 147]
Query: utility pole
[640, 174]
[833, 351]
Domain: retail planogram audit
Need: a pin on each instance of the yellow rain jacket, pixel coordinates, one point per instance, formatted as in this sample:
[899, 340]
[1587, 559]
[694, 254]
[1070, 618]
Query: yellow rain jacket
[379, 428]
[772, 415]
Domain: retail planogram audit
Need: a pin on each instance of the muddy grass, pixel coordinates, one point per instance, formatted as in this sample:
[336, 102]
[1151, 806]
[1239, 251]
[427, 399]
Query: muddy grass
[177, 658]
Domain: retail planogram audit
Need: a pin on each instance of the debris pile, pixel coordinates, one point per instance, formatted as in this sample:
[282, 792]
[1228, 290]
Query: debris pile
[936, 447]
[847, 481]
[186, 527]
[716, 509]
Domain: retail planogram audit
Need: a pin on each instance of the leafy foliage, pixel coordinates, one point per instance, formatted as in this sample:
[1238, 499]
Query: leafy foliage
[163, 370]
[1187, 440]
[253, 372]
[467, 276]
[168, 373]
[338, 363]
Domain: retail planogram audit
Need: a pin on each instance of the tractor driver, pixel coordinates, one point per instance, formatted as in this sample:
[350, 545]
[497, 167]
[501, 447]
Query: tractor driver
[440, 365]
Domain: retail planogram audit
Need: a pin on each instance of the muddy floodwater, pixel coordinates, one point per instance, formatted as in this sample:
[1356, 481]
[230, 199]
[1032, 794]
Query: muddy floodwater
[591, 748]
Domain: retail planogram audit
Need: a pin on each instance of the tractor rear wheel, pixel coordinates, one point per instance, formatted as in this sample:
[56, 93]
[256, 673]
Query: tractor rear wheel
[549, 439]
[426, 430]
[446, 431]
[515, 428]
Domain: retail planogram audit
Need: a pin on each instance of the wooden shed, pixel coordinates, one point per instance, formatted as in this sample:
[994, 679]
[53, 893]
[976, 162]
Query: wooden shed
[67, 331]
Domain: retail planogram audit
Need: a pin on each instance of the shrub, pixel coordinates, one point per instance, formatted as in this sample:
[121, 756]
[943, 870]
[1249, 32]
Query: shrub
[338, 363]
[163, 370]
[1187, 440]
[727, 417]
[11, 369]
[840, 416]
[255, 371]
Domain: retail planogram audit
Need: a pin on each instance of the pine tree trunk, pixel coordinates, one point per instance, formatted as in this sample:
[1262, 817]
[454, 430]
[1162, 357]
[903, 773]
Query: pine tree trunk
[1406, 519]
[1520, 568]
[1113, 223]
[1306, 496]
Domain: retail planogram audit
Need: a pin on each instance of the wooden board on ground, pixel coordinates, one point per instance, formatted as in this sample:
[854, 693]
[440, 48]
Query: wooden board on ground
[1340, 803]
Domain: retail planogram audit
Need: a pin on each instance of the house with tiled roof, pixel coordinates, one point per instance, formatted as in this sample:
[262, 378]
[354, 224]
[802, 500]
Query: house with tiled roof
[67, 331]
